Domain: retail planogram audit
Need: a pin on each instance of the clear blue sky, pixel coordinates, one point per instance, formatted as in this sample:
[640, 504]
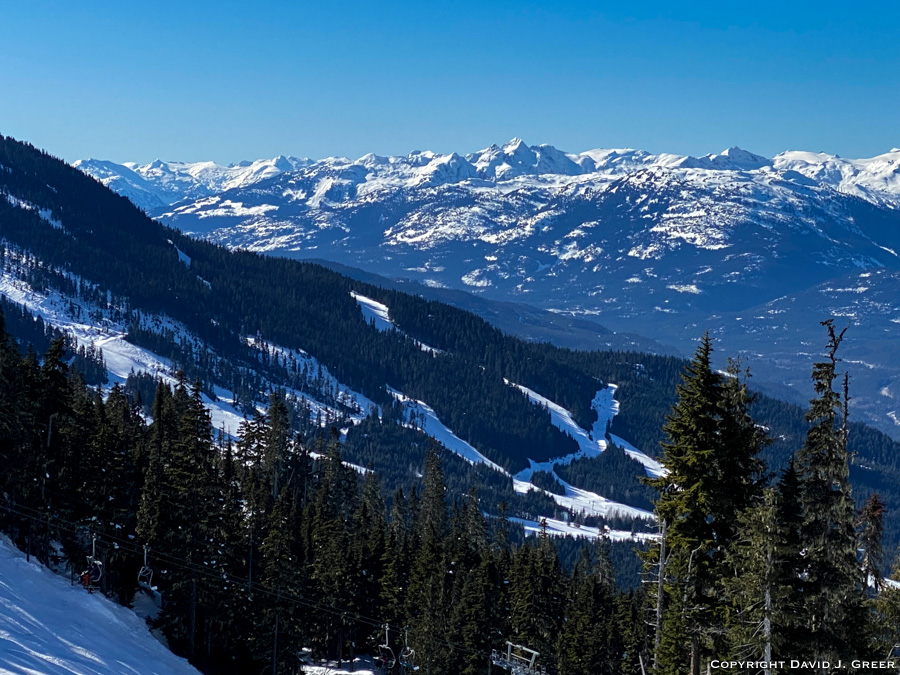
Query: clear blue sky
[229, 80]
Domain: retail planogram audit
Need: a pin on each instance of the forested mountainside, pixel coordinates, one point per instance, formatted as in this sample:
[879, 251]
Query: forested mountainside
[264, 427]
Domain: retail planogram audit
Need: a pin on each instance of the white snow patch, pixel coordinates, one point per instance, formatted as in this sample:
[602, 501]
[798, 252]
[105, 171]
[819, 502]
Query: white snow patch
[651, 466]
[578, 500]
[45, 214]
[684, 288]
[182, 256]
[356, 467]
[429, 423]
[345, 395]
[562, 420]
[561, 528]
[379, 313]
[374, 311]
[361, 666]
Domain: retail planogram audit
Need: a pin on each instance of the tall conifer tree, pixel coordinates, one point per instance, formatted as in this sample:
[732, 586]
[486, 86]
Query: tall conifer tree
[712, 473]
[833, 585]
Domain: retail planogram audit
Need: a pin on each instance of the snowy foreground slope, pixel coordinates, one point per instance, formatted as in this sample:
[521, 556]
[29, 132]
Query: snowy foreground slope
[50, 627]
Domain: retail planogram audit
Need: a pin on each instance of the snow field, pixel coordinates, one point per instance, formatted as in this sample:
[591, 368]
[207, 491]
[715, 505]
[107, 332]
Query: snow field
[575, 499]
[590, 444]
[375, 311]
[429, 423]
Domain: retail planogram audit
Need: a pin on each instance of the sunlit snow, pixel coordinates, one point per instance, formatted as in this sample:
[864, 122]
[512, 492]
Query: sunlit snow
[48, 626]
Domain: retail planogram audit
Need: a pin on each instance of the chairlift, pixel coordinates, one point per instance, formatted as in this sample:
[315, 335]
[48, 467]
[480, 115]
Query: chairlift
[386, 660]
[145, 575]
[92, 575]
[408, 654]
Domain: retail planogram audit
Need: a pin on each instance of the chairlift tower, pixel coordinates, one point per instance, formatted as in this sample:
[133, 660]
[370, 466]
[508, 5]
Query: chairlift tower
[518, 660]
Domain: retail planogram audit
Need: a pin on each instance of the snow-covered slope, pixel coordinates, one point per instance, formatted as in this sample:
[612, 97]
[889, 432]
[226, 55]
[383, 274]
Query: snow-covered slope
[876, 179]
[575, 500]
[591, 443]
[50, 627]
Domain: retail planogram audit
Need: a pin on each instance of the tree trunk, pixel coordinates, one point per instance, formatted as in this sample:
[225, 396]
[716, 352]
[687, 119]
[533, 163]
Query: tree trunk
[192, 620]
[659, 594]
[695, 655]
[767, 620]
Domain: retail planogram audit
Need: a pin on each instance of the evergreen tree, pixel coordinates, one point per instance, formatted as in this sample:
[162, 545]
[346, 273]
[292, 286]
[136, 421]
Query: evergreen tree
[832, 584]
[180, 514]
[474, 615]
[790, 556]
[537, 598]
[17, 477]
[278, 443]
[427, 606]
[761, 592]
[589, 643]
[886, 615]
[368, 544]
[712, 473]
[395, 561]
[285, 630]
[631, 619]
[330, 563]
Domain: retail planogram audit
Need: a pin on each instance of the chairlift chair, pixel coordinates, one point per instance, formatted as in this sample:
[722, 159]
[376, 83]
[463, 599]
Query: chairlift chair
[145, 575]
[408, 654]
[385, 660]
[94, 572]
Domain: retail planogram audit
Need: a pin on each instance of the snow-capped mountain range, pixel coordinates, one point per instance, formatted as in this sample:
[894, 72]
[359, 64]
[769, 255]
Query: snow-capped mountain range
[162, 183]
[659, 244]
